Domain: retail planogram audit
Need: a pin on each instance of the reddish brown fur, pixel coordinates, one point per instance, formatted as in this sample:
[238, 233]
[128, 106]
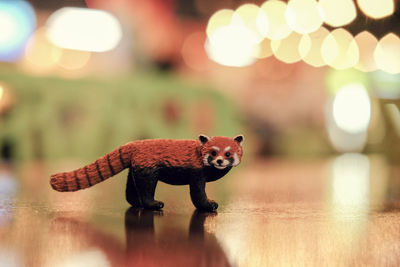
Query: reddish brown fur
[140, 154]
[96, 172]
[172, 153]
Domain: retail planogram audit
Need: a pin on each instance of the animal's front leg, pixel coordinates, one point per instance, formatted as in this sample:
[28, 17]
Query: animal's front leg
[199, 197]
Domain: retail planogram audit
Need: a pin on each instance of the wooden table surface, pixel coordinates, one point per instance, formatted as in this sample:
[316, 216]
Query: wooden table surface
[338, 211]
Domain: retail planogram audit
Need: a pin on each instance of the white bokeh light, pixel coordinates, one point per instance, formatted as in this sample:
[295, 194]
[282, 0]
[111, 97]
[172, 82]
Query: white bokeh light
[83, 29]
[352, 108]
[233, 45]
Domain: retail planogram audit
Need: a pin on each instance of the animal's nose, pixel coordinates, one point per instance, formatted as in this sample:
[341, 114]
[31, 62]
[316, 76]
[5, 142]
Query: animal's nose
[219, 161]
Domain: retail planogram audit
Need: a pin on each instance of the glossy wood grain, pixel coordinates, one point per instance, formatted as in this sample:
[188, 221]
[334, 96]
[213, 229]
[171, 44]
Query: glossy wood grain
[340, 211]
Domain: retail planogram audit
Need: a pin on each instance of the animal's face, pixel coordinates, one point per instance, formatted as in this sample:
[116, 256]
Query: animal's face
[221, 152]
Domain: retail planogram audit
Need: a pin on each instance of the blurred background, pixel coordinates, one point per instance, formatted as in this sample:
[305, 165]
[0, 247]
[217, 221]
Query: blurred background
[313, 85]
[299, 78]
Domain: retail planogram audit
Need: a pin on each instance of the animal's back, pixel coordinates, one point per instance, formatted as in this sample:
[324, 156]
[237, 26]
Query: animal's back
[166, 153]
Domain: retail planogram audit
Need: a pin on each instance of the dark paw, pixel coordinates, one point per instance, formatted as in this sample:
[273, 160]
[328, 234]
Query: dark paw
[135, 206]
[154, 205]
[211, 205]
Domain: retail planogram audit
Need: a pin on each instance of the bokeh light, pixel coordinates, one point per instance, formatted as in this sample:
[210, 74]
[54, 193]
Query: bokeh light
[41, 56]
[286, 50]
[73, 59]
[303, 16]
[265, 49]
[376, 9]
[352, 108]
[233, 45]
[253, 18]
[310, 47]
[275, 13]
[219, 19]
[339, 49]
[17, 22]
[83, 29]
[366, 43]
[387, 53]
[337, 13]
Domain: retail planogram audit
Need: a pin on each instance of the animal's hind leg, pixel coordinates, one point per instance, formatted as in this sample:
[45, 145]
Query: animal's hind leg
[141, 188]
[132, 193]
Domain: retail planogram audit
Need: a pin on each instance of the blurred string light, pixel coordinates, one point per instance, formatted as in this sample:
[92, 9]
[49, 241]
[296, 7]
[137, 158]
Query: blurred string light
[293, 31]
[339, 50]
[252, 17]
[286, 50]
[17, 22]
[83, 29]
[387, 53]
[278, 28]
[376, 9]
[352, 108]
[310, 47]
[1, 92]
[265, 49]
[303, 16]
[337, 13]
[233, 44]
[219, 19]
[366, 43]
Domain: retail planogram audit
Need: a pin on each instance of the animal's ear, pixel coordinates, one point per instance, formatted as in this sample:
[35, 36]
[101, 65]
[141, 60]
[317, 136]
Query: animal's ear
[203, 139]
[239, 139]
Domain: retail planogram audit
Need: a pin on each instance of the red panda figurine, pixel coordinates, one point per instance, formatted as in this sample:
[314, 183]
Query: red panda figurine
[175, 162]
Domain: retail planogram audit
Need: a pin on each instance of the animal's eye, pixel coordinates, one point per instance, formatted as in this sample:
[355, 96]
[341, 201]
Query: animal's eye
[227, 154]
[213, 153]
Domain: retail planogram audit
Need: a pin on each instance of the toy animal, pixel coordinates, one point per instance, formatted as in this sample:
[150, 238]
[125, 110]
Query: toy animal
[175, 162]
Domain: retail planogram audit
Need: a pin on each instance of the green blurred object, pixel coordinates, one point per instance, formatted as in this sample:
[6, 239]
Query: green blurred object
[56, 118]
[336, 79]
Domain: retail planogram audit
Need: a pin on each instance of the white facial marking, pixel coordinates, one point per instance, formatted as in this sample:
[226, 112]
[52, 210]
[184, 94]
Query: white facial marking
[205, 160]
[221, 166]
[236, 160]
[215, 148]
[227, 148]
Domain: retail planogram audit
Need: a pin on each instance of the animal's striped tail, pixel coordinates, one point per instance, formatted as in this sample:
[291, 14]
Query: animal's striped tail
[96, 172]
